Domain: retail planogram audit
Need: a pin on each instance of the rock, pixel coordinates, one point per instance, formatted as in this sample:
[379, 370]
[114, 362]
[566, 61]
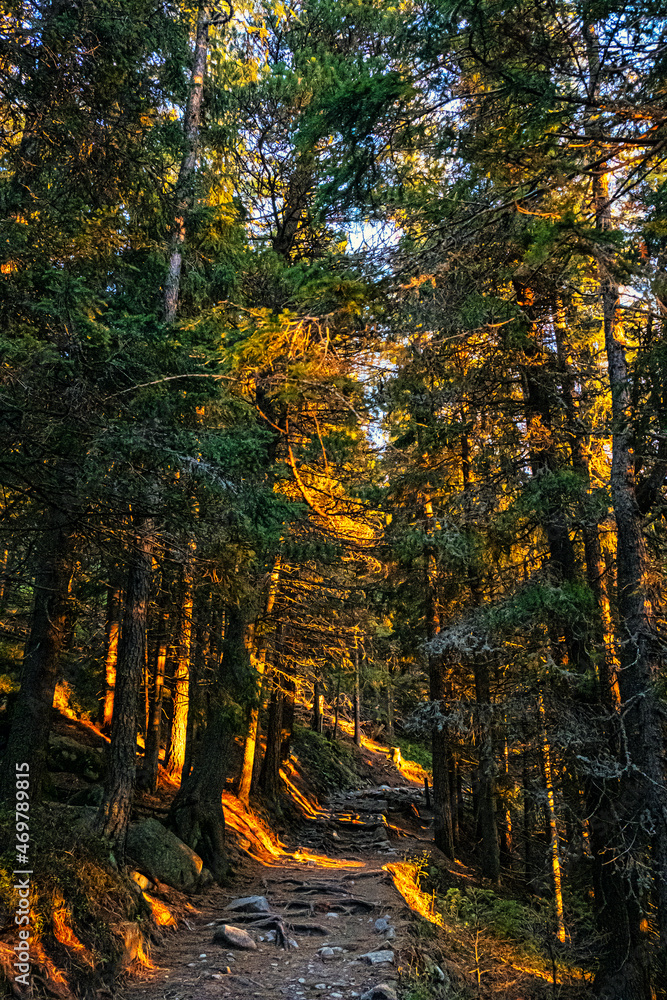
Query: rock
[249, 904]
[439, 974]
[158, 853]
[384, 957]
[292, 943]
[326, 953]
[390, 934]
[65, 754]
[141, 881]
[91, 796]
[234, 937]
[381, 992]
[382, 924]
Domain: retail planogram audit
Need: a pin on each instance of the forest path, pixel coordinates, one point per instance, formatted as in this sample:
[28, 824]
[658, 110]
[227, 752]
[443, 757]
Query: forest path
[365, 829]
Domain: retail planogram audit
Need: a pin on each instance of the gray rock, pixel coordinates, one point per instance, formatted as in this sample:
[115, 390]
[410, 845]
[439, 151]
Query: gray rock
[383, 957]
[390, 934]
[382, 925]
[381, 992]
[234, 937]
[249, 904]
[158, 853]
[326, 953]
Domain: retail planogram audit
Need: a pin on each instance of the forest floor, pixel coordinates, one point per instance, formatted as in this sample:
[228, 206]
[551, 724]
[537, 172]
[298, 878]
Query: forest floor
[337, 878]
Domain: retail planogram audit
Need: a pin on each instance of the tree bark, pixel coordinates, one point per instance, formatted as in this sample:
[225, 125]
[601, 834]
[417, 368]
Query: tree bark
[112, 634]
[186, 174]
[150, 767]
[179, 719]
[31, 722]
[114, 815]
[196, 814]
[318, 699]
[357, 696]
[269, 778]
[250, 744]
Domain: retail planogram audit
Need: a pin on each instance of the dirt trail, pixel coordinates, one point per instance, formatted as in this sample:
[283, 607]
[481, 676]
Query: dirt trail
[369, 827]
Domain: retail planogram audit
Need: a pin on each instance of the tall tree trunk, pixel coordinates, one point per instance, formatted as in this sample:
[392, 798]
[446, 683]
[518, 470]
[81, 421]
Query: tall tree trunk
[269, 778]
[318, 701]
[150, 768]
[357, 696]
[179, 718]
[186, 174]
[337, 706]
[287, 722]
[250, 745]
[642, 787]
[114, 815]
[196, 814]
[31, 722]
[112, 633]
[197, 667]
[553, 823]
[486, 776]
[443, 834]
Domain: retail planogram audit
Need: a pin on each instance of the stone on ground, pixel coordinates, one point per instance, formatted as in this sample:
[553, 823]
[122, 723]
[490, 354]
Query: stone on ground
[234, 937]
[383, 957]
[381, 992]
[249, 904]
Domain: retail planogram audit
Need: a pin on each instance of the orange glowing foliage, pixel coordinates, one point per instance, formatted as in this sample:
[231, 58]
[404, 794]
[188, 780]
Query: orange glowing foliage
[161, 913]
[255, 838]
[405, 875]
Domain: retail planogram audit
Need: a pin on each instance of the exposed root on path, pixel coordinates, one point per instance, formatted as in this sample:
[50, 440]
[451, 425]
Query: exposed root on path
[260, 843]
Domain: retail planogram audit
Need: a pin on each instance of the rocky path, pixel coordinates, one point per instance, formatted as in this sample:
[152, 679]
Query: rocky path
[314, 933]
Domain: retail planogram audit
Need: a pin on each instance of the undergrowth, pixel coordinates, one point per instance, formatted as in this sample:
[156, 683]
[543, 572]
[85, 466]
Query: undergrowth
[77, 898]
[330, 766]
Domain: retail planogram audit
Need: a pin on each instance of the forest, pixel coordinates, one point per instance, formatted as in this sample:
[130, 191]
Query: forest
[333, 418]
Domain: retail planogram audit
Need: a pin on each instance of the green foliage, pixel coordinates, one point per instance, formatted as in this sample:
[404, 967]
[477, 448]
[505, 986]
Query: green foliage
[415, 751]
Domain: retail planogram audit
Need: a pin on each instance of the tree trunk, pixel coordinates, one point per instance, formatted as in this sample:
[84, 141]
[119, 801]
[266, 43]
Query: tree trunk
[150, 768]
[181, 689]
[112, 633]
[186, 174]
[357, 696]
[250, 745]
[31, 722]
[196, 814]
[454, 798]
[287, 724]
[553, 823]
[337, 707]
[197, 664]
[318, 715]
[269, 778]
[114, 815]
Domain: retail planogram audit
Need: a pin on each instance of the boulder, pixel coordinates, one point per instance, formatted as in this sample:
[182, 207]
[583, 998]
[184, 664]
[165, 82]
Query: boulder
[234, 937]
[159, 854]
[249, 904]
[65, 754]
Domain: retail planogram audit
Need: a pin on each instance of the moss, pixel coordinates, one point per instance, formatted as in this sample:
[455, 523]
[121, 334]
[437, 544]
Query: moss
[330, 766]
